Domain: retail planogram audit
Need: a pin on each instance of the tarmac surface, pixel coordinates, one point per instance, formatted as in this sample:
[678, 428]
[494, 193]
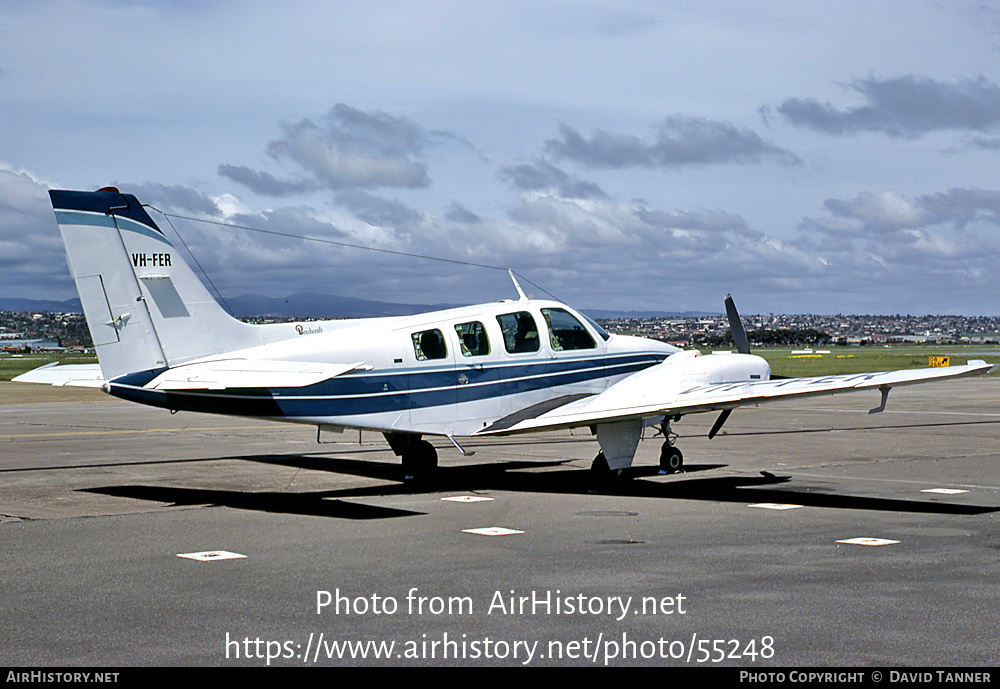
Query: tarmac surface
[101, 500]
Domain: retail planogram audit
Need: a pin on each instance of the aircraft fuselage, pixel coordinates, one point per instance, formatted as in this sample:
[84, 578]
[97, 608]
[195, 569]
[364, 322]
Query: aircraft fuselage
[449, 372]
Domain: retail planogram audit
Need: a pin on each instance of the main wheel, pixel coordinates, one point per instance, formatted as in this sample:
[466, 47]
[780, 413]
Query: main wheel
[600, 465]
[671, 459]
[419, 461]
[602, 475]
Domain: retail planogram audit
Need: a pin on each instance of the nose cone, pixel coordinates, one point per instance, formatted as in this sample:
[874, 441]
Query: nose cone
[765, 370]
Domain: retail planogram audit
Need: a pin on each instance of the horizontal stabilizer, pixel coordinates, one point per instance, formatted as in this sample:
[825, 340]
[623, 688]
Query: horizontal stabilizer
[72, 375]
[247, 373]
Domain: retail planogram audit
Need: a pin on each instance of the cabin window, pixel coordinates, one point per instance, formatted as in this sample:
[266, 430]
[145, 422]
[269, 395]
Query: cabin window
[429, 344]
[520, 334]
[472, 337]
[565, 332]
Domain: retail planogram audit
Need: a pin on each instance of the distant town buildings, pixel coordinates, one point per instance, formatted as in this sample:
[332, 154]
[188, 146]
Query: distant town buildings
[841, 329]
[37, 331]
[43, 332]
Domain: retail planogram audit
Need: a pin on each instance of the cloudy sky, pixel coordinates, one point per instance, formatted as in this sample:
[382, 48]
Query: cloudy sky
[806, 157]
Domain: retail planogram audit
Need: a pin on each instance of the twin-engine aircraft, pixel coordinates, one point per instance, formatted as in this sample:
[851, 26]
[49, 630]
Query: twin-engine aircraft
[514, 366]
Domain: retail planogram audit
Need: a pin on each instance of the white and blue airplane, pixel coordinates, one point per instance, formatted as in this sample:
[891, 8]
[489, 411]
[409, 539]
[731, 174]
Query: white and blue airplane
[514, 366]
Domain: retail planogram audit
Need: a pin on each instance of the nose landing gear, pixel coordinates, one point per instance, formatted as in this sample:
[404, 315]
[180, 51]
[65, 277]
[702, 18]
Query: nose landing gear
[671, 458]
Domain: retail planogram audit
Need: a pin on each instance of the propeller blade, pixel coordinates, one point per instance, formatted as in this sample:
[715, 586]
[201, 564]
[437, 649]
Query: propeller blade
[718, 423]
[736, 327]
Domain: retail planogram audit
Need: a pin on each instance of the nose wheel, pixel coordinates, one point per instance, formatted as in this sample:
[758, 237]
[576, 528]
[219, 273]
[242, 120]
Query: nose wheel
[671, 458]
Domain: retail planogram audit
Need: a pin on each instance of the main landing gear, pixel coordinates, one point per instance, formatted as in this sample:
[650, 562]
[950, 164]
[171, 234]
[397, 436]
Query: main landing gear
[671, 461]
[671, 458]
[419, 456]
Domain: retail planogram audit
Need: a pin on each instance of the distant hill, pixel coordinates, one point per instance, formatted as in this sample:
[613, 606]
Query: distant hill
[309, 305]
[36, 305]
[304, 305]
[611, 315]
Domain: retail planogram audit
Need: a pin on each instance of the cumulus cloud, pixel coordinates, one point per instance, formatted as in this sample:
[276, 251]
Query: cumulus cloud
[345, 149]
[543, 176]
[265, 183]
[460, 214]
[707, 222]
[378, 211]
[885, 210]
[960, 207]
[172, 198]
[888, 211]
[939, 248]
[590, 252]
[904, 107]
[678, 141]
[987, 143]
[32, 262]
[628, 255]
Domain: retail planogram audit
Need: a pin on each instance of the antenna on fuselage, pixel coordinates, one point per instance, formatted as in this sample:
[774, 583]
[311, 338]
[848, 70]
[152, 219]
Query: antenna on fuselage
[517, 286]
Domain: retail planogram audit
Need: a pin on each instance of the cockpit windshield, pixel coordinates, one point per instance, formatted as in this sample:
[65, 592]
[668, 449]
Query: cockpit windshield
[565, 332]
[605, 335]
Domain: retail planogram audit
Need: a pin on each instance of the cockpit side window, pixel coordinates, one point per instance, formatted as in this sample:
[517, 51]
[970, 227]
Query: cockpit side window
[472, 337]
[429, 344]
[520, 333]
[565, 332]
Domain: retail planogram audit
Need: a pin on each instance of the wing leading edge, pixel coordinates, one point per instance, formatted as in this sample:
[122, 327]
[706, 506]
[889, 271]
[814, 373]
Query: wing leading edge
[657, 392]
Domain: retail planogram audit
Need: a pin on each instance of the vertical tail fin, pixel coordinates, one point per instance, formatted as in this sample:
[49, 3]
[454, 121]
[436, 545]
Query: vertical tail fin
[145, 307]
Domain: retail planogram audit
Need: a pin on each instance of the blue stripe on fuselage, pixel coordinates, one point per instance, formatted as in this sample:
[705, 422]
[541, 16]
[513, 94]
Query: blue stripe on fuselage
[373, 393]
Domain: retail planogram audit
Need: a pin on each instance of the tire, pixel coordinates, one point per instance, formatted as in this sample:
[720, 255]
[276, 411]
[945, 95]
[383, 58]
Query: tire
[600, 465]
[671, 459]
[419, 461]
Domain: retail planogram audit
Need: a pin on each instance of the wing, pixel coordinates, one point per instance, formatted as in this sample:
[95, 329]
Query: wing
[658, 391]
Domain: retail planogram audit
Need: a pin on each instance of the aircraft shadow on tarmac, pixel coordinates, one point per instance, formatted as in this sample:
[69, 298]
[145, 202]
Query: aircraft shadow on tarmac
[505, 476]
[317, 504]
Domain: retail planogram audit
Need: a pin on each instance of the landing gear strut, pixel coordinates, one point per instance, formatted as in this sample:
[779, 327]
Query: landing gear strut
[671, 458]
